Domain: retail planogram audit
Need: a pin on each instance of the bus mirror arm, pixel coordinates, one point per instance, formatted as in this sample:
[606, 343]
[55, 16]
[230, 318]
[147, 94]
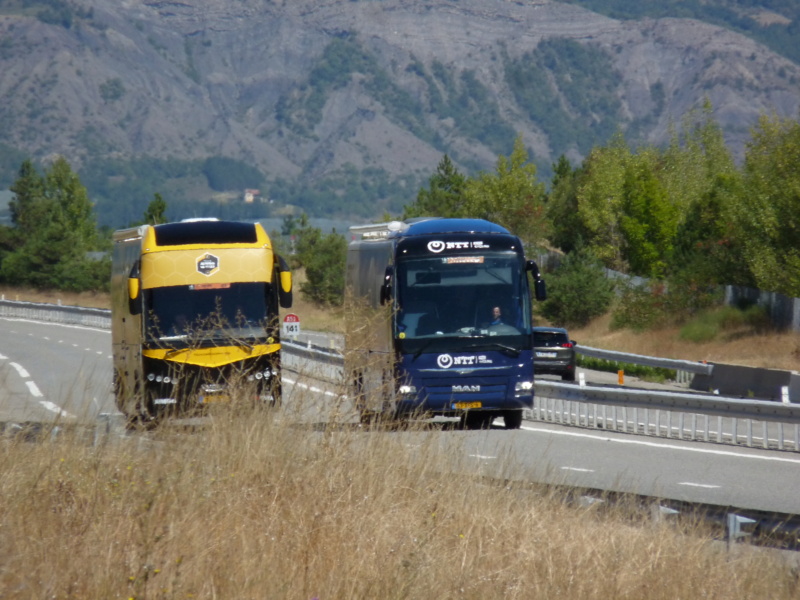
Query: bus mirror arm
[386, 287]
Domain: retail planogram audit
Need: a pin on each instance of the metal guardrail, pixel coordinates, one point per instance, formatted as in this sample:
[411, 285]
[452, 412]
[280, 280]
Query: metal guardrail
[695, 417]
[687, 366]
[56, 313]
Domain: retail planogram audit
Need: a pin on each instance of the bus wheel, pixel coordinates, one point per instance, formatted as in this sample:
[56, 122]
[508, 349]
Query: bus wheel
[512, 419]
[477, 420]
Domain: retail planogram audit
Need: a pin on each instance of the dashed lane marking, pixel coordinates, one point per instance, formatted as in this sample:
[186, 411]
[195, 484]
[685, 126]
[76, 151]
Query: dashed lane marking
[706, 486]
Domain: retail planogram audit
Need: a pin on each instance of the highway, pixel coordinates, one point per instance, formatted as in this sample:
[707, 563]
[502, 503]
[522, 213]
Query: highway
[50, 371]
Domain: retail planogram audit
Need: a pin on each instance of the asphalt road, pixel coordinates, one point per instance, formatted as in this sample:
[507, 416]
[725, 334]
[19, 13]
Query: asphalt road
[51, 371]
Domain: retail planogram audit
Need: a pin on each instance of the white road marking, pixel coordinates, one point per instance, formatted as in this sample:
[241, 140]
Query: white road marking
[56, 409]
[707, 486]
[482, 457]
[34, 389]
[577, 469]
[639, 442]
[312, 388]
[20, 369]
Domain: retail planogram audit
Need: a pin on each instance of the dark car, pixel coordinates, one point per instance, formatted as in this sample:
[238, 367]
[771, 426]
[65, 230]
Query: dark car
[554, 352]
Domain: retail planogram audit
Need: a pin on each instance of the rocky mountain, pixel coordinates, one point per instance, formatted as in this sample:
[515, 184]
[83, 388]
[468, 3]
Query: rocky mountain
[304, 89]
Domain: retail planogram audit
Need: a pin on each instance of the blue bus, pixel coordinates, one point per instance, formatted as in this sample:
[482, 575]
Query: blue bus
[439, 321]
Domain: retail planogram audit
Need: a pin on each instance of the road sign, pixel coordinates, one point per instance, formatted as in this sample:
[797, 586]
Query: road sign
[291, 324]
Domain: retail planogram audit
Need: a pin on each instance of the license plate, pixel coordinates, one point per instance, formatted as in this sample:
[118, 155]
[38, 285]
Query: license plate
[214, 398]
[466, 405]
[546, 354]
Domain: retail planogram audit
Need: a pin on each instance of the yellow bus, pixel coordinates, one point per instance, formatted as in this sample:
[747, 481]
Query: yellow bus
[194, 307]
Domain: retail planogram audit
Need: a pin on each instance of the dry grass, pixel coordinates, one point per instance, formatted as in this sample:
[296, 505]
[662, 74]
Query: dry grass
[739, 347]
[85, 299]
[254, 507]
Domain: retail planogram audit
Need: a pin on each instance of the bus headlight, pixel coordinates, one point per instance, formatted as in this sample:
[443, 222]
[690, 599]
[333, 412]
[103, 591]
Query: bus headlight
[523, 386]
[407, 389]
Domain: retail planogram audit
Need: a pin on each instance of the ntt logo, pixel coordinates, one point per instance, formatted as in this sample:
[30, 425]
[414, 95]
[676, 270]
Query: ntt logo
[445, 361]
[436, 246]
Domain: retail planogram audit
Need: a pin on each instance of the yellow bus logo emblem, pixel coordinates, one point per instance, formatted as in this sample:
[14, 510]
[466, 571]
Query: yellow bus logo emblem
[208, 264]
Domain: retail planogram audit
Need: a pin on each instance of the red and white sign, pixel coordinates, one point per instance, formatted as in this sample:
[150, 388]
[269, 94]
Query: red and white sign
[291, 324]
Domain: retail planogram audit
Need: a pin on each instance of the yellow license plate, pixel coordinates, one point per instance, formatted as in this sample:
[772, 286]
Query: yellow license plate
[215, 398]
[466, 405]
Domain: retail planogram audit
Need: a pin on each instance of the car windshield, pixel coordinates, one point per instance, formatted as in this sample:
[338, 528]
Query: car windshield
[549, 339]
[462, 298]
[206, 314]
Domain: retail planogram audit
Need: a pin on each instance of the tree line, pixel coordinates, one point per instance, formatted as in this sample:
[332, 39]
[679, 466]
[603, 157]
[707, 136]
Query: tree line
[685, 216]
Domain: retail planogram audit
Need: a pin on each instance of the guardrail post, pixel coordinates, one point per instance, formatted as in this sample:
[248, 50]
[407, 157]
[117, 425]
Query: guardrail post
[660, 513]
[734, 528]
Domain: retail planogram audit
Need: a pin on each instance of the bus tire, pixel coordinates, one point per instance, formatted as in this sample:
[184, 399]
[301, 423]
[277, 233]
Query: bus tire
[512, 419]
[475, 419]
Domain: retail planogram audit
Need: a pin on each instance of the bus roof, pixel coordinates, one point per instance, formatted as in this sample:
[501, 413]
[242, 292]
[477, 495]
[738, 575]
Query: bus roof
[425, 226]
[434, 226]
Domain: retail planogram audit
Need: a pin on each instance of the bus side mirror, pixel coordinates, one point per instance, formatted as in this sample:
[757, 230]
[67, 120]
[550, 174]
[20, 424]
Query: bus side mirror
[540, 289]
[134, 291]
[386, 287]
[284, 283]
[133, 288]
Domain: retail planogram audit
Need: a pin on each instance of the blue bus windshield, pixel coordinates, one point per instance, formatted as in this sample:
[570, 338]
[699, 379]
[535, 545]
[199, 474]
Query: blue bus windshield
[462, 296]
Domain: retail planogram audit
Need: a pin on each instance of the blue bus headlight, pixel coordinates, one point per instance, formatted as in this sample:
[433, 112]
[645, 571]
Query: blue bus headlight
[407, 389]
[523, 386]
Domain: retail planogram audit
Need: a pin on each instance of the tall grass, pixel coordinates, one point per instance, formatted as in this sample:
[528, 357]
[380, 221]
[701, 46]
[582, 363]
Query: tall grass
[253, 505]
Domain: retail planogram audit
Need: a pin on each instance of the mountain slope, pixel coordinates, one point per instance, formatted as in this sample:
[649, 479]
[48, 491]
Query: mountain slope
[305, 89]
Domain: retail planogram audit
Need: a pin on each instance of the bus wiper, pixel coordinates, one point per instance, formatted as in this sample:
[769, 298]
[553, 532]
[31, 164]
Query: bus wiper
[172, 338]
[507, 350]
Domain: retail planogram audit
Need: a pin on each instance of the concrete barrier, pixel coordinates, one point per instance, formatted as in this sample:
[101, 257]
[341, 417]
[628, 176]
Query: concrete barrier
[748, 382]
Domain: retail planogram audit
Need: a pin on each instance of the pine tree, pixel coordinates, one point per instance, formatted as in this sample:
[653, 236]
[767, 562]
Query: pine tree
[445, 195]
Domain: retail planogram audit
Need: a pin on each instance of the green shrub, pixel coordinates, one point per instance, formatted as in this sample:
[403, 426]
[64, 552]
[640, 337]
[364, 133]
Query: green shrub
[654, 374]
[709, 324]
[578, 291]
[699, 331]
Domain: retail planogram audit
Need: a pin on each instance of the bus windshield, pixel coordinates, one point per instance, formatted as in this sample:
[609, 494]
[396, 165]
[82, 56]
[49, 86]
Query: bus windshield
[208, 314]
[462, 297]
